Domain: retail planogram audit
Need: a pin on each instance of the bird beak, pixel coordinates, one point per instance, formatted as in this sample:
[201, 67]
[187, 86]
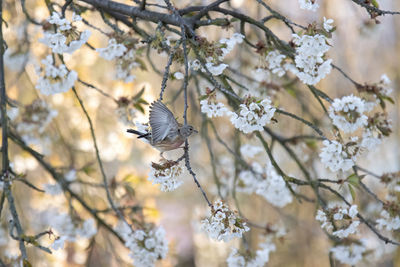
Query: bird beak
[195, 131]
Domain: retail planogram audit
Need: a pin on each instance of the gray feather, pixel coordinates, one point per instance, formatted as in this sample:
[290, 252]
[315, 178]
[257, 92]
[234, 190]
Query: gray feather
[162, 121]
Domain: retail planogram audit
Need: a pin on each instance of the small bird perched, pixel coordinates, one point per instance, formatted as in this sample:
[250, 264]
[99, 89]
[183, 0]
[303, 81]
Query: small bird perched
[165, 132]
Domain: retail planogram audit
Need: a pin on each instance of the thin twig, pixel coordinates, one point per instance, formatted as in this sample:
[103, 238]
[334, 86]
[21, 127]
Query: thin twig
[106, 187]
[5, 174]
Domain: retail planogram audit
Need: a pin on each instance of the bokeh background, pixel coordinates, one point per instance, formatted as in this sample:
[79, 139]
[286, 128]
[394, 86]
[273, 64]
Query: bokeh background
[363, 48]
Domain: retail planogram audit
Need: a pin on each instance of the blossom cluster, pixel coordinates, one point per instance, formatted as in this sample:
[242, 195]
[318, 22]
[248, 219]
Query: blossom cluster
[166, 174]
[344, 219]
[210, 106]
[334, 156]
[347, 113]
[223, 224]
[274, 61]
[252, 115]
[66, 39]
[54, 79]
[261, 256]
[112, 51]
[66, 229]
[260, 259]
[213, 109]
[15, 60]
[265, 182]
[220, 50]
[388, 221]
[125, 54]
[147, 245]
[310, 66]
[349, 254]
[34, 120]
[311, 5]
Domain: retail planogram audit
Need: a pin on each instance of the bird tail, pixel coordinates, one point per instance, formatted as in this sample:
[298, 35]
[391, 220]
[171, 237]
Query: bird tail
[140, 134]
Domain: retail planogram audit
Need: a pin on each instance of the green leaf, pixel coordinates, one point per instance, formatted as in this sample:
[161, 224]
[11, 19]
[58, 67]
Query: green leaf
[88, 169]
[352, 192]
[138, 95]
[129, 190]
[353, 179]
[128, 177]
[142, 101]
[138, 107]
[388, 98]
[141, 63]
[311, 144]
[291, 92]
[375, 3]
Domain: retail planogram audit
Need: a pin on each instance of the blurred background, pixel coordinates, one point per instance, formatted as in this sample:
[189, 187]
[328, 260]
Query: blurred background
[363, 48]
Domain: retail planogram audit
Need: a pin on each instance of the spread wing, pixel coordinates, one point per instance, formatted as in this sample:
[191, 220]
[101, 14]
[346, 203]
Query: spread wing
[161, 121]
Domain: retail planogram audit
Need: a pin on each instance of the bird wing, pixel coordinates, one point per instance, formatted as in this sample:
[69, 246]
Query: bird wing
[162, 121]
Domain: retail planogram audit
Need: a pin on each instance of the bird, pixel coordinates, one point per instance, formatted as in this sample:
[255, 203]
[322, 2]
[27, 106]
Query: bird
[165, 132]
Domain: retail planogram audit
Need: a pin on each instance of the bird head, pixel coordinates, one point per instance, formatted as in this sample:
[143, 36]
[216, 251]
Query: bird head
[187, 130]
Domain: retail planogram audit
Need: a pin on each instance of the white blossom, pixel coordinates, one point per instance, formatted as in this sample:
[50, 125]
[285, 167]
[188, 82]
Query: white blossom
[351, 229]
[179, 75]
[348, 254]
[35, 119]
[12, 113]
[369, 141]
[112, 51]
[274, 60]
[55, 79]
[385, 82]
[53, 189]
[62, 23]
[166, 175]
[125, 65]
[273, 188]
[334, 157]
[59, 242]
[88, 229]
[253, 116]
[248, 182]
[388, 222]
[328, 24]
[15, 61]
[230, 43]
[213, 109]
[249, 151]
[385, 79]
[346, 216]
[146, 245]
[223, 224]
[347, 113]
[66, 229]
[325, 224]
[309, 5]
[261, 258]
[216, 69]
[195, 65]
[70, 175]
[310, 66]
[214, 65]
[265, 182]
[66, 39]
